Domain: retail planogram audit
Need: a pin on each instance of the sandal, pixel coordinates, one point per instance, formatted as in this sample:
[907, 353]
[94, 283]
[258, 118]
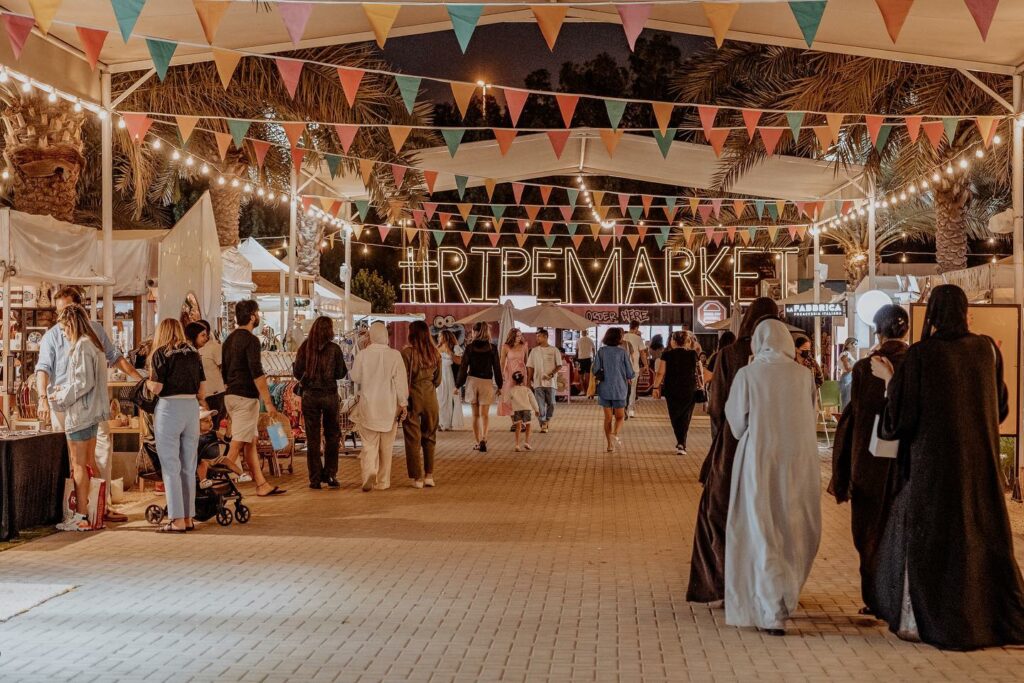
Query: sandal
[169, 529]
[276, 491]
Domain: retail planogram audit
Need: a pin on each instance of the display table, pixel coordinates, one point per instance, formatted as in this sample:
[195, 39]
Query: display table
[32, 473]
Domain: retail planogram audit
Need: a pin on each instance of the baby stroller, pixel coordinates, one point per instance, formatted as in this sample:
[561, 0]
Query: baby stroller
[210, 502]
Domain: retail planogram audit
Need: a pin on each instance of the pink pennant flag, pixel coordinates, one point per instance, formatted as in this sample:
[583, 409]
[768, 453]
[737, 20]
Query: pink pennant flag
[913, 127]
[467, 237]
[546, 226]
[298, 154]
[751, 117]
[801, 209]
[605, 240]
[716, 204]
[92, 40]
[307, 201]
[717, 138]
[933, 130]
[566, 213]
[567, 105]
[623, 202]
[792, 233]
[398, 173]
[419, 218]
[670, 213]
[137, 125]
[545, 193]
[641, 230]
[295, 16]
[350, 80]
[634, 17]
[647, 200]
[346, 135]
[707, 118]
[383, 230]
[705, 212]
[522, 224]
[494, 237]
[770, 138]
[517, 192]
[558, 139]
[731, 233]
[260, 149]
[444, 218]
[429, 208]
[514, 102]
[577, 240]
[874, 124]
[982, 11]
[430, 177]
[18, 29]
[718, 238]
[291, 70]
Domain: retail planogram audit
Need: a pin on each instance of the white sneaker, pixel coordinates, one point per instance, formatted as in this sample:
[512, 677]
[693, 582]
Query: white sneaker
[544, 428]
[417, 484]
[206, 483]
[244, 478]
[632, 412]
[76, 522]
[528, 447]
[429, 482]
[680, 450]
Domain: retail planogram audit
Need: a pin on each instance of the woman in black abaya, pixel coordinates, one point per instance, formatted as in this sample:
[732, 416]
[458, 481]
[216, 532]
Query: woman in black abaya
[707, 565]
[946, 569]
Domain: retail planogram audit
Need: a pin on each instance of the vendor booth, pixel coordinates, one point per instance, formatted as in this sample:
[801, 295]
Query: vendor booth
[189, 281]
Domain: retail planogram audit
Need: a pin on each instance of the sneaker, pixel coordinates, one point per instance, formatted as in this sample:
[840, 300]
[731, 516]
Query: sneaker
[544, 428]
[632, 412]
[417, 484]
[483, 446]
[527, 447]
[244, 478]
[429, 482]
[76, 522]
[206, 483]
[680, 450]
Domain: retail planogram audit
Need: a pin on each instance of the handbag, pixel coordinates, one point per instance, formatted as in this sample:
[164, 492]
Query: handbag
[598, 373]
[144, 399]
[355, 410]
[700, 394]
[881, 448]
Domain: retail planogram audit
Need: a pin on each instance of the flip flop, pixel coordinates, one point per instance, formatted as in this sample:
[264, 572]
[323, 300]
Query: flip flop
[169, 529]
[272, 492]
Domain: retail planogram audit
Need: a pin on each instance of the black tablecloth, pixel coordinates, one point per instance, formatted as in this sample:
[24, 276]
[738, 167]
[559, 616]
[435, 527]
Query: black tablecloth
[32, 474]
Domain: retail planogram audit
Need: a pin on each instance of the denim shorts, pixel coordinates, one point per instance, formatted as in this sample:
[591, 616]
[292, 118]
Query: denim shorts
[522, 416]
[86, 434]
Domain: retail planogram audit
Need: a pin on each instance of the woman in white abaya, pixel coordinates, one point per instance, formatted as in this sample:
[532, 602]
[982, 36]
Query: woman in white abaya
[774, 523]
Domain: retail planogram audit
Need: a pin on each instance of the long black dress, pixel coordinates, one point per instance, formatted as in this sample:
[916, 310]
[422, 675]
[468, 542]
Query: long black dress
[948, 535]
[707, 564]
[869, 483]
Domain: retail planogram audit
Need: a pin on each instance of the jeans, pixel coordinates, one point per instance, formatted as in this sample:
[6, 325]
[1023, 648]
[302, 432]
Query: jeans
[176, 427]
[680, 412]
[546, 402]
[320, 410]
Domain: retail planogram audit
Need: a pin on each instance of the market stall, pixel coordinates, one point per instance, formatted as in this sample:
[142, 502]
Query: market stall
[190, 269]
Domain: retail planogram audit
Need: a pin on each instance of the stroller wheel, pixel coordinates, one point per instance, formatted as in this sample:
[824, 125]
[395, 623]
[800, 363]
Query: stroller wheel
[224, 517]
[154, 514]
[241, 513]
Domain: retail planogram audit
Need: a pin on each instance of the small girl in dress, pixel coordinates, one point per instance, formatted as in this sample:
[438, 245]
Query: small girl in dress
[524, 404]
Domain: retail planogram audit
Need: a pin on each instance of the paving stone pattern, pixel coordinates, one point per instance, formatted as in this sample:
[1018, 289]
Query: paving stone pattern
[564, 564]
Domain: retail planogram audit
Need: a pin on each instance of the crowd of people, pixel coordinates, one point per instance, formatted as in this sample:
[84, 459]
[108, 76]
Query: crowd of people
[919, 464]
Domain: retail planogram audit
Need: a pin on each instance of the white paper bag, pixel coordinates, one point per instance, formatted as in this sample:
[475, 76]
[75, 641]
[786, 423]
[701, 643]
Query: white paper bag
[880, 448]
[97, 500]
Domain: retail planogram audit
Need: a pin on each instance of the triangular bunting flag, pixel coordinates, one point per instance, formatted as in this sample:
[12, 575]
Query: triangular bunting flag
[137, 126]
[467, 237]
[719, 16]
[572, 228]
[835, 125]
[295, 16]
[381, 18]
[223, 143]
[498, 211]
[210, 13]
[521, 240]
[635, 212]
[464, 19]
[795, 119]
[577, 240]
[705, 212]
[883, 137]
[808, 17]
[770, 138]
[874, 124]
[260, 149]
[531, 211]
[604, 240]
[514, 102]
[774, 211]
[464, 210]
[226, 62]
[363, 208]
[293, 130]
[383, 230]
[567, 105]
[982, 11]
[489, 185]
[738, 206]
[558, 139]
[986, 127]
[494, 238]
[665, 141]
[549, 19]
[913, 127]
[44, 12]
[346, 135]
[471, 221]
[545, 194]
[546, 226]
[573, 194]
[92, 40]
[350, 80]
[453, 138]
[894, 13]
[398, 173]
[759, 207]
[694, 203]
[824, 137]
[186, 124]
[780, 207]
[298, 154]
[730, 233]
[517, 192]
[161, 51]
[716, 205]
[633, 16]
[410, 233]
[623, 203]
[291, 70]
[463, 93]
[751, 117]
[238, 130]
[707, 117]
[773, 232]
[127, 13]
[366, 170]
[399, 134]
[611, 139]
[522, 224]
[460, 184]
[792, 233]
[950, 125]
[933, 131]
[662, 114]
[333, 164]
[615, 109]
[429, 209]
[717, 138]
[409, 87]
[438, 236]
[566, 212]
[505, 137]
[647, 201]
[444, 219]
[662, 237]
[633, 239]
[641, 231]
[598, 197]
[595, 229]
[670, 212]
[429, 178]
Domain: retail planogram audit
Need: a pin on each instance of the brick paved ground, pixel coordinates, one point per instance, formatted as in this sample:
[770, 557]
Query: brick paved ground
[562, 564]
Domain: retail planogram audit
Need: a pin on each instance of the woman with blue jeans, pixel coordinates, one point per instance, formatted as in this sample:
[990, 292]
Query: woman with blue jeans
[613, 371]
[176, 376]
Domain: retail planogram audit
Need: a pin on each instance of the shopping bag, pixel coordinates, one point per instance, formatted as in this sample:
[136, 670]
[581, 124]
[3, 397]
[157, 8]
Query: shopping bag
[881, 448]
[592, 386]
[278, 436]
[97, 501]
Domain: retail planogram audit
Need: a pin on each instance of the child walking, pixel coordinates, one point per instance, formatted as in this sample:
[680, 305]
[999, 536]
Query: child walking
[524, 404]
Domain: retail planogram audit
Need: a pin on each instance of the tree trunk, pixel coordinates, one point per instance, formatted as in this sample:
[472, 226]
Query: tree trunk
[307, 253]
[951, 197]
[856, 268]
[43, 146]
[227, 209]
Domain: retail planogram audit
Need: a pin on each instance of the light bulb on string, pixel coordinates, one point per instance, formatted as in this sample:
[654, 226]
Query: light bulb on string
[366, 249]
[996, 140]
[247, 188]
[903, 196]
[221, 180]
[980, 153]
[3, 75]
[936, 177]
[51, 97]
[101, 114]
[234, 182]
[949, 169]
[912, 189]
[156, 144]
[204, 169]
[964, 163]
[175, 155]
[270, 196]
[260, 192]
[121, 123]
[6, 174]
[26, 87]
[78, 106]
[903, 258]
[190, 161]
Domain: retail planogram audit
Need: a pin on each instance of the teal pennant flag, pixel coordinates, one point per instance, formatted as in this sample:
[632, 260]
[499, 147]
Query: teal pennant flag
[549, 240]
[464, 19]
[635, 212]
[808, 17]
[471, 222]
[127, 13]
[573, 194]
[498, 210]
[773, 211]
[460, 184]
[883, 137]
[161, 51]
[333, 164]
[796, 121]
[950, 123]
[453, 138]
[615, 108]
[572, 227]
[409, 86]
[759, 206]
[238, 130]
[665, 141]
[362, 208]
[438, 236]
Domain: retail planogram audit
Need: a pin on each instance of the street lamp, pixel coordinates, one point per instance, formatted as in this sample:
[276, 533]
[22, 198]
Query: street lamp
[484, 85]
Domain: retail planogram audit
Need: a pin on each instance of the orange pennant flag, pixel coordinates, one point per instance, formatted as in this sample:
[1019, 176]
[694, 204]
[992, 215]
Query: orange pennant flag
[558, 138]
[707, 117]
[933, 130]
[210, 13]
[545, 193]
[874, 124]
[350, 80]
[138, 125]
[92, 40]
[464, 210]
[399, 134]
[186, 124]
[429, 178]
[894, 13]
[773, 232]
[751, 117]
[647, 201]
[738, 206]
[720, 16]
[987, 128]
[595, 229]
[633, 240]
[598, 197]
[223, 142]
[505, 137]
[227, 62]
[611, 139]
[521, 239]
[489, 184]
[577, 240]
[381, 18]
[293, 130]
[770, 137]
[366, 170]
[824, 136]
[549, 19]
[463, 93]
[913, 126]
[662, 114]
[567, 105]
[467, 237]
[780, 206]
[835, 125]
[717, 139]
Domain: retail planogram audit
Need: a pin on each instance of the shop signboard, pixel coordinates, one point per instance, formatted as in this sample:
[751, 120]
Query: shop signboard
[819, 310]
[1001, 322]
[708, 311]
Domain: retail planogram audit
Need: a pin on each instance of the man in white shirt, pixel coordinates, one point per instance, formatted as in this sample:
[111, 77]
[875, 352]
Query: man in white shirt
[585, 358]
[543, 365]
[638, 357]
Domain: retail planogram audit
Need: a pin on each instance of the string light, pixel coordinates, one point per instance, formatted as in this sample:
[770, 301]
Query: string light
[190, 161]
[205, 168]
[26, 87]
[52, 97]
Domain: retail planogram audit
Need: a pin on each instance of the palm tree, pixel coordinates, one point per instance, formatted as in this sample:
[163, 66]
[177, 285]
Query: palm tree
[43, 148]
[256, 92]
[769, 77]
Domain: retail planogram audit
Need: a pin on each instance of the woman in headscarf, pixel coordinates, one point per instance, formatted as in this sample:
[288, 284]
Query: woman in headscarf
[774, 523]
[707, 565]
[868, 482]
[379, 371]
[946, 568]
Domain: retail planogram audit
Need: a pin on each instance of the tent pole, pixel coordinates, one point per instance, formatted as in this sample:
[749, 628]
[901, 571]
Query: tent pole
[348, 276]
[817, 290]
[1018, 251]
[872, 249]
[8, 385]
[293, 243]
[107, 216]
